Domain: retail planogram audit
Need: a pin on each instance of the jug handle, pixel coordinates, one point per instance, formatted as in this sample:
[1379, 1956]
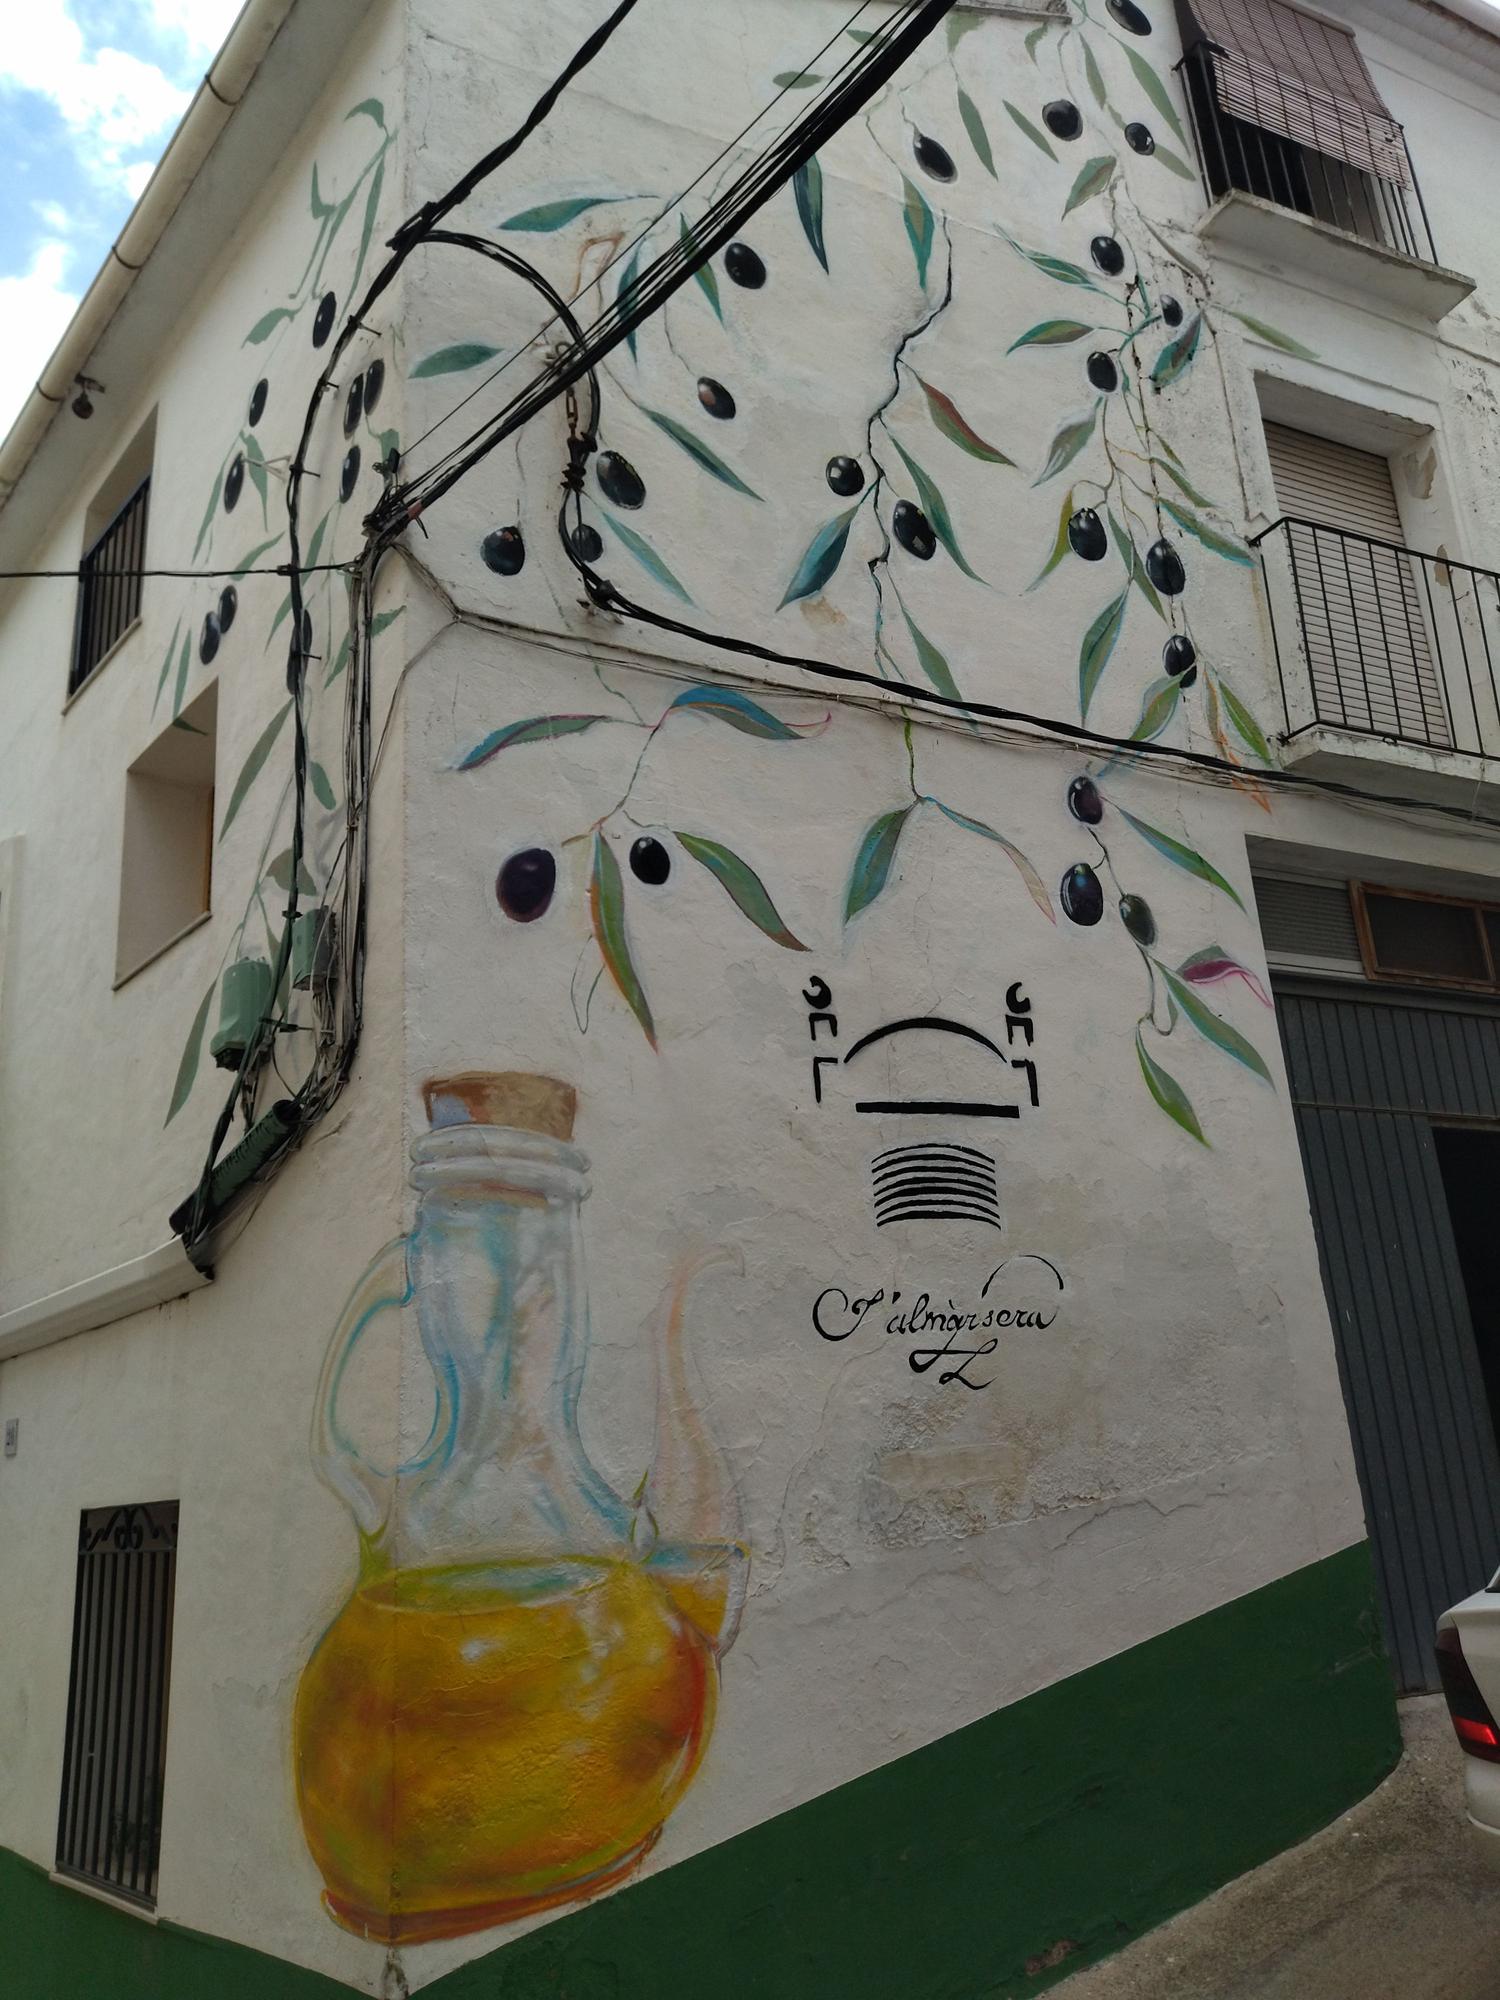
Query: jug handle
[384, 1283]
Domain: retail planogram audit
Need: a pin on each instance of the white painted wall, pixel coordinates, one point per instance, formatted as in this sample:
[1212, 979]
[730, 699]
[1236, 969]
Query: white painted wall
[920, 1554]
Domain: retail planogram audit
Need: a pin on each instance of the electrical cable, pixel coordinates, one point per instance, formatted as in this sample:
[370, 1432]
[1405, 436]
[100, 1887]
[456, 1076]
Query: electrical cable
[190, 575]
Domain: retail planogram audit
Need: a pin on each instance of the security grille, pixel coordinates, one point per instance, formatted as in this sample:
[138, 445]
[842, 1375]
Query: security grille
[109, 586]
[1308, 925]
[109, 1821]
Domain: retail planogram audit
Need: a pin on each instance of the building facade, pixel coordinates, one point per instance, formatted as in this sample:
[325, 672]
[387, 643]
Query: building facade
[817, 1008]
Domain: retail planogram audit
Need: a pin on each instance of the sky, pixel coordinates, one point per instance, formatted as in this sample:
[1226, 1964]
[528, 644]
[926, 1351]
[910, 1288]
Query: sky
[90, 93]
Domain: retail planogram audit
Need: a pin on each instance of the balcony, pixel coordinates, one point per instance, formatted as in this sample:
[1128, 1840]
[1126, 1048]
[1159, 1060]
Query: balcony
[1314, 182]
[1381, 648]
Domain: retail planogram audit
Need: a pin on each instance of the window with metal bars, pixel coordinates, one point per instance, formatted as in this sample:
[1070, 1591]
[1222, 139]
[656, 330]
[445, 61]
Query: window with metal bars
[109, 1821]
[109, 586]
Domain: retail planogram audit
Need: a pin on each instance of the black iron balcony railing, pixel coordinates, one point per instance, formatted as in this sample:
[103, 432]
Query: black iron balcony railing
[109, 586]
[1381, 640]
[1345, 166]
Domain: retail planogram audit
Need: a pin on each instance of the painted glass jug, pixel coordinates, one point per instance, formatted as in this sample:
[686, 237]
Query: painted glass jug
[522, 1683]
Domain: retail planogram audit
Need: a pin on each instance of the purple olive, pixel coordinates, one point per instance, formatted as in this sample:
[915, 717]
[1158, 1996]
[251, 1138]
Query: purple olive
[504, 551]
[650, 861]
[1164, 567]
[1135, 915]
[1080, 895]
[1086, 536]
[1085, 802]
[524, 886]
[715, 398]
[913, 531]
[619, 481]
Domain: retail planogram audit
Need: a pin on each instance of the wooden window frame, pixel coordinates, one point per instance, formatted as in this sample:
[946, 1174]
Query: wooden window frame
[1385, 976]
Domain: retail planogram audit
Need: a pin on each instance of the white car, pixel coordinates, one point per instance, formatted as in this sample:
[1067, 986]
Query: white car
[1468, 1656]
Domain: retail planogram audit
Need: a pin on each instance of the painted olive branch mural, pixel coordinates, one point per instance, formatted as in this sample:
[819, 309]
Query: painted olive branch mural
[527, 881]
[246, 464]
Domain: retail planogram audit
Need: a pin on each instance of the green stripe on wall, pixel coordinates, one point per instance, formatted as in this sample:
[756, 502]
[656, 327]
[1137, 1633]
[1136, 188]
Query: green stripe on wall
[1046, 1835]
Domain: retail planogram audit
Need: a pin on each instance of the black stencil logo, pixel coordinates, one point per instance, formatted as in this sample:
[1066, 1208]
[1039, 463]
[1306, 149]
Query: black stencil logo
[935, 1181]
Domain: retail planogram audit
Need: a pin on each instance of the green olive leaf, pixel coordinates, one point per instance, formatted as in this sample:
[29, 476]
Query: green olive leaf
[1180, 479]
[1157, 91]
[367, 229]
[1177, 353]
[627, 280]
[645, 555]
[266, 325]
[807, 188]
[183, 659]
[1058, 268]
[974, 125]
[1060, 544]
[820, 559]
[536, 729]
[1168, 1092]
[250, 770]
[550, 215]
[1095, 76]
[607, 912]
[873, 858]
[1221, 545]
[1273, 337]
[279, 871]
[453, 360]
[1158, 706]
[1070, 438]
[1035, 886]
[936, 509]
[1036, 137]
[1098, 643]
[744, 886]
[932, 662]
[1094, 176]
[248, 561]
[1179, 852]
[210, 509]
[323, 791]
[919, 226]
[727, 704]
[1211, 1027]
[698, 451]
[1035, 38]
[795, 79]
[1131, 557]
[1174, 163]
[1051, 333]
[1245, 725]
[166, 665]
[705, 277]
[192, 1048]
[255, 465]
[368, 107]
[955, 427]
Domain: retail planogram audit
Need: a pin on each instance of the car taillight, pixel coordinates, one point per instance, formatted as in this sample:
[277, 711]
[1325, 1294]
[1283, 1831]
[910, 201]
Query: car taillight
[1473, 1724]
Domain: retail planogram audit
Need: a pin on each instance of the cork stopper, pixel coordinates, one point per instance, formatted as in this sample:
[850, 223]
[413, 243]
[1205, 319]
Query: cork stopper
[513, 1098]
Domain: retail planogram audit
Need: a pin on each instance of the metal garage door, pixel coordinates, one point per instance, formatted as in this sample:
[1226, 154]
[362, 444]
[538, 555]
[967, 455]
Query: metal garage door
[1374, 1083]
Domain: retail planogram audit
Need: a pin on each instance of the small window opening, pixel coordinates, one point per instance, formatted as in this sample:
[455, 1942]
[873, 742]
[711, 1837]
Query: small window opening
[166, 867]
[114, 1756]
[114, 554]
[1427, 940]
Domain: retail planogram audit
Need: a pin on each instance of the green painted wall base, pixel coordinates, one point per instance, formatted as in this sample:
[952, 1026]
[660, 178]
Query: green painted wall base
[990, 1864]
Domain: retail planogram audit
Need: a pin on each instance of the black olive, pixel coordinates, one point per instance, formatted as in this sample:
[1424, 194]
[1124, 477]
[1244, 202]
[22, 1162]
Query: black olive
[1062, 118]
[374, 383]
[234, 480]
[258, 401]
[715, 398]
[524, 886]
[1178, 654]
[1103, 371]
[354, 405]
[845, 475]
[504, 551]
[1084, 801]
[208, 639]
[1171, 311]
[1108, 255]
[1135, 915]
[1086, 536]
[913, 531]
[619, 481]
[1188, 678]
[323, 319]
[1080, 894]
[229, 603]
[588, 543]
[744, 266]
[349, 472]
[307, 630]
[1164, 567]
[1138, 138]
[932, 158]
[650, 861]
[1130, 17]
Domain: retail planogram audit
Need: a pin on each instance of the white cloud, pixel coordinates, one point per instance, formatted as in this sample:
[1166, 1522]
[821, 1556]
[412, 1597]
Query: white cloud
[112, 102]
[53, 217]
[35, 307]
[203, 24]
[135, 177]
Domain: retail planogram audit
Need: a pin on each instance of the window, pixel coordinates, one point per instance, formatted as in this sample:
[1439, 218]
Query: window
[109, 1820]
[167, 855]
[1285, 108]
[114, 552]
[1427, 940]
